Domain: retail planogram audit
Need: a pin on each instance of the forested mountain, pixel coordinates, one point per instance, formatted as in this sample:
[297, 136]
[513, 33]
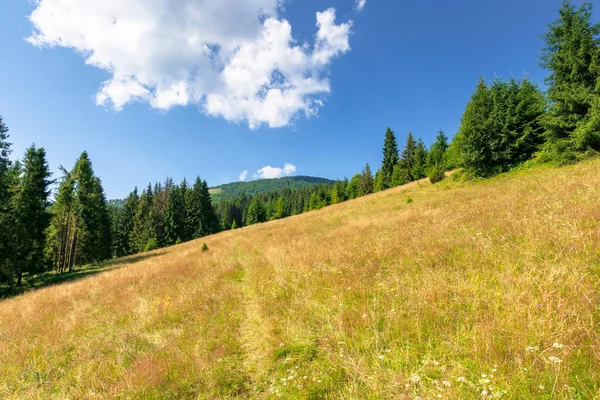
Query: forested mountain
[229, 191]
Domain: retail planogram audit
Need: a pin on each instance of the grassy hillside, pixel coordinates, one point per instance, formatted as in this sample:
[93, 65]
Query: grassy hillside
[232, 190]
[473, 290]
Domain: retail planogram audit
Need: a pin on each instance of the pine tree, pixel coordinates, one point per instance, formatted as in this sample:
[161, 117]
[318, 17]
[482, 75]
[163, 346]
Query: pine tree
[390, 159]
[256, 212]
[5, 165]
[29, 210]
[353, 189]
[123, 243]
[501, 126]
[366, 181]
[142, 226]
[572, 55]
[419, 168]
[436, 160]
[61, 224]
[378, 182]
[209, 223]
[194, 206]
[175, 215]
[407, 159]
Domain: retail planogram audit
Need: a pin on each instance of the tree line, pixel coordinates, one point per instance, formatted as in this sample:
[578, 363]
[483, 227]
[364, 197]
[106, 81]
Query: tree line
[505, 123]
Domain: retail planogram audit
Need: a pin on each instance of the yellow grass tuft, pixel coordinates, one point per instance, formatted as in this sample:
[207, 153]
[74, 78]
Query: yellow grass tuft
[471, 290]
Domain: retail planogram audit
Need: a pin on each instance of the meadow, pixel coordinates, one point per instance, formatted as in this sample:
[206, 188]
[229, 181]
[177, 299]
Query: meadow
[460, 290]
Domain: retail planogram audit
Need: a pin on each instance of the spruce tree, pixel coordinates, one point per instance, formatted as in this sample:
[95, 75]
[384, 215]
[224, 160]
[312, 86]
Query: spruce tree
[4, 200]
[123, 241]
[256, 212]
[353, 189]
[194, 207]
[407, 159]
[572, 55]
[390, 159]
[29, 211]
[366, 181]
[209, 223]
[419, 168]
[61, 224]
[175, 215]
[436, 160]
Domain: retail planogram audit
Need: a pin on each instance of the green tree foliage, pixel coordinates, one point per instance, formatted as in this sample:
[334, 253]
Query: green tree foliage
[353, 189]
[175, 215]
[378, 182]
[572, 55]
[390, 159]
[366, 181]
[407, 159]
[4, 200]
[123, 240]
[256, 212]
[29, 215]
[436, 160]
[143, 230]
[419, 167]
[501, 127]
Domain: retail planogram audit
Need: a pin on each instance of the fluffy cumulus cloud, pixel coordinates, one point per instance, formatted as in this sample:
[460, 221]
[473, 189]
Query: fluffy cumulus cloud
[243, 175]
[237, 59]
[360, 4]
[269, 172]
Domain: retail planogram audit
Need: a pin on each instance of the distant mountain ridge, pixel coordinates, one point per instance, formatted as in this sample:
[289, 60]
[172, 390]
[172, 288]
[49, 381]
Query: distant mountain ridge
[231, 190]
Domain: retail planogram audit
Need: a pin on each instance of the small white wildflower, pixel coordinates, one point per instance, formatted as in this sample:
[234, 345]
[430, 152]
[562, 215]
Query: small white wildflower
[557, 345]
[281, 344]
[446, 383]
[554, 360]
[364, 316]
[529, 349]
[388, 351]
[381, 357]
[461, 379]
[541, 387]
[414, 378]
[439, 396]
[484, 392]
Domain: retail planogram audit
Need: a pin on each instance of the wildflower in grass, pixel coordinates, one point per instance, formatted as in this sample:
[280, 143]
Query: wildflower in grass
[446, 383]
[281, 344]
[554, 360]
[414, 378]
[364, 316]
[381, 356]
[557, 345]
[461, 379]
[541, 387]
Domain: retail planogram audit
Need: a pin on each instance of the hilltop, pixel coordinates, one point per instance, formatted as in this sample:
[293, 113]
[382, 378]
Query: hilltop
[230, 191]
[484, 289]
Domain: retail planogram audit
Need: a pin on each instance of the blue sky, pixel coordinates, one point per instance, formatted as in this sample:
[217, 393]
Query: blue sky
[410, 65]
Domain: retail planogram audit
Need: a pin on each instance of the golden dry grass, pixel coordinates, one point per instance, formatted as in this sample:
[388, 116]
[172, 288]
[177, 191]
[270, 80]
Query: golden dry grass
[474, 290]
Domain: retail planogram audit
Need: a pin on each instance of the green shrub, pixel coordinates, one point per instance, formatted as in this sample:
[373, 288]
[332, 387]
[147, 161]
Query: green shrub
[409, 200]
[152, 244]
[204, 247]
[436, 174]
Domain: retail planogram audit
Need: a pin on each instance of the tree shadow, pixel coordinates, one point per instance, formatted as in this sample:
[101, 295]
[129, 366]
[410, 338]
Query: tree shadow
[54, 278]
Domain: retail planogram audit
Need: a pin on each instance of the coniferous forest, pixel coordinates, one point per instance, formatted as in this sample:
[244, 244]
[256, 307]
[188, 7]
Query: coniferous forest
[56, 223]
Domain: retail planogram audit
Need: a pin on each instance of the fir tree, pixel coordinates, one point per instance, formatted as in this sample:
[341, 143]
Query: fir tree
[4, 200]
[390, 159]
[419, 168]
[366, 181]
[572, 55]
[256, 212]
[353, 189]
[123, 241]
[175, 215]
[407, 159]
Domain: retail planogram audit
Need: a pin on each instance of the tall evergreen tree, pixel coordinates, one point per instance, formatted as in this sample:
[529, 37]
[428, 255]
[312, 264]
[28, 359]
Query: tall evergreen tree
[390, 159]
[29, 211]
[572, 55]
[61, 224]
[175, 215]
[353, 189]
[436, 160]
[209, 222]
[366, 181]
[256, 212]
[123, 240]
[419, 168]
[4, 200]
[143, 231]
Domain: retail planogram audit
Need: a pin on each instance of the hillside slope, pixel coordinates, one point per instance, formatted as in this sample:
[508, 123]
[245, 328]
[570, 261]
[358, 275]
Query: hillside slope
[232, 190]
[472, 290]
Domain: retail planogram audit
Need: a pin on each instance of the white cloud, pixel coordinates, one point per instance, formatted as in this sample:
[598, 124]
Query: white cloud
[237, 59]
[360, 4]
[269, 172]
[243, 175]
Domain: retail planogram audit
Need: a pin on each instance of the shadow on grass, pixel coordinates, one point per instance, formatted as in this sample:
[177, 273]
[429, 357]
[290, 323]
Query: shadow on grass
[53, 278]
